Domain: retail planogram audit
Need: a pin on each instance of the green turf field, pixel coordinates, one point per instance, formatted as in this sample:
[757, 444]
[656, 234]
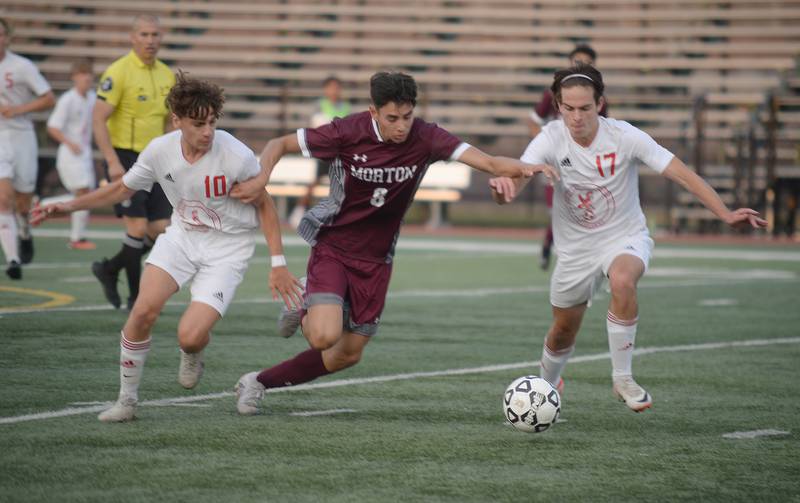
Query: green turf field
[419, 419]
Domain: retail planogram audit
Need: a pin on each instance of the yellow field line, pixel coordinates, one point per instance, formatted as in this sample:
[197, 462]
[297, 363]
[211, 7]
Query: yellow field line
[56, 299]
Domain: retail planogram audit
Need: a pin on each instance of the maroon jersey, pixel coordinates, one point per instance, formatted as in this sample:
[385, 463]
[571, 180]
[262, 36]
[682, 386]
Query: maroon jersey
[372, 182]
[546, 111]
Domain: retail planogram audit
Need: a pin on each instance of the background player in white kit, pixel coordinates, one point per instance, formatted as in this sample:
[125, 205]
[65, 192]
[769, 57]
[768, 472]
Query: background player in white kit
[22, 90]
[70, 125]
[210, 239]
[598, 220]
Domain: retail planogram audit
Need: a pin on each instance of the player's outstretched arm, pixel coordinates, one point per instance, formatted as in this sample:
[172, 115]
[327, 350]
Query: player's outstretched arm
[505, 189]
[512, 174]
[250, 191]
[281, 281]
[677, 171]
[505, 166]
[104, 196]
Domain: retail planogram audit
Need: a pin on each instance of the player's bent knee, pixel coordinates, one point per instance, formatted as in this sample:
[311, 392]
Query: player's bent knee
[193, 341]
[622, 284]
[322, 339]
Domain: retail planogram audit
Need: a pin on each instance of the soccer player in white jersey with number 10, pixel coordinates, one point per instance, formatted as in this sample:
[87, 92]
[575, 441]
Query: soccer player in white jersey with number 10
[210, 239]
[598, 221]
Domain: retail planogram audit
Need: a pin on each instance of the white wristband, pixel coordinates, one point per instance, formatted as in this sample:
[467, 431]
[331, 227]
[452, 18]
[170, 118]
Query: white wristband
[278, 261]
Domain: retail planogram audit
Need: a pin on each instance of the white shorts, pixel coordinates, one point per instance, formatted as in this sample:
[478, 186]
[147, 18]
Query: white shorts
[6, 166]
[576, 280]
[23, 151]
[75, 171]
[216, 261]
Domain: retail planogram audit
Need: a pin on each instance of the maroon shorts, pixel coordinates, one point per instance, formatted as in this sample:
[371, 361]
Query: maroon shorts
[333, 278]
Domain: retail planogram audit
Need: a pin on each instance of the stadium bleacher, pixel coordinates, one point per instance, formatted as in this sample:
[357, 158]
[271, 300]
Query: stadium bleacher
[480, 67]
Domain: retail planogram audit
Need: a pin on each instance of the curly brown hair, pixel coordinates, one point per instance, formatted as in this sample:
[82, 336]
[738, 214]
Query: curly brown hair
[194, 98]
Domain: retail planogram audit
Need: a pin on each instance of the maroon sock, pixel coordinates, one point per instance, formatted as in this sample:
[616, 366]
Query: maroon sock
[304, 367]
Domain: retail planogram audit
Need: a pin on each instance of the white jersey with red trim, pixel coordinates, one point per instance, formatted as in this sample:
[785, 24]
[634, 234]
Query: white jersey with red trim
[21, 83]
[199, 192]
[596, 202]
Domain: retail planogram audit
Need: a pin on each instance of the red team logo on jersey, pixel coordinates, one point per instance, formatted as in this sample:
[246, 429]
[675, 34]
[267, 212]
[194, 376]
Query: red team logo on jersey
[589, 205]
[197, 217]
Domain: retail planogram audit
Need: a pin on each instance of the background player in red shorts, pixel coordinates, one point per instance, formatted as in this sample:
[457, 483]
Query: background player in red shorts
[378, 159]
[544, 112]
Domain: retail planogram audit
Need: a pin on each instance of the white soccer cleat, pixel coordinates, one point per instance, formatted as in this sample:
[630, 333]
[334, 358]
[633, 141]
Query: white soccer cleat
[635, 397]
[249, 393]
[191, 369]
[122, 411]
[289, 320]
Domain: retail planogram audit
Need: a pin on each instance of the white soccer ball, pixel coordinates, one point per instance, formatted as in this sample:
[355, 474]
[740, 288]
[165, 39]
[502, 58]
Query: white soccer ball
[531, 404]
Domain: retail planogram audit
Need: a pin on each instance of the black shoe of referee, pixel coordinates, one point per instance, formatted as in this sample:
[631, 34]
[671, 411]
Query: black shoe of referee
[109, 282]
[26, 250]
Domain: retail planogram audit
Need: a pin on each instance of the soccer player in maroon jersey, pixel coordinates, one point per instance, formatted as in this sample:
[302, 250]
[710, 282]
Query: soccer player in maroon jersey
[378, 158]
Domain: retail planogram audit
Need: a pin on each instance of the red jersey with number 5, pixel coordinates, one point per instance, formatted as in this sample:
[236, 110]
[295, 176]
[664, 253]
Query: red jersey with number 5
[372, 182]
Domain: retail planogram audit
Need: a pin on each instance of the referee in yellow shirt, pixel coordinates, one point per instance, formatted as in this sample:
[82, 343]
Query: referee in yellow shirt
[129, 112]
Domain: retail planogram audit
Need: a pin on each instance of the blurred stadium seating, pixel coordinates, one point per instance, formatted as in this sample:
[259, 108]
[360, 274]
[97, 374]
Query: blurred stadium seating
[716, 82]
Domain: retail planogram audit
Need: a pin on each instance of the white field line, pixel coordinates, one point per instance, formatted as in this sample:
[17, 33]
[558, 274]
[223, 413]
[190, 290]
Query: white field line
[714, 277]
[509, 247]
[74, 411]
[718, 302]
[740, 435]
[312, 413]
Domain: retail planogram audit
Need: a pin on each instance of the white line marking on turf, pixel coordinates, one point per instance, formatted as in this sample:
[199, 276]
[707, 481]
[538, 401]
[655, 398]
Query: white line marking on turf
[511, 247]
[180, 405]
[80, 279]
[739, 435]
[312, 413]
[72, 411]
[729, 279]
[718, 302]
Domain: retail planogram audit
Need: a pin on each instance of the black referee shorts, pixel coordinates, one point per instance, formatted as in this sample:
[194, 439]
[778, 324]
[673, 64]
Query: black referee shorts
[152, 205]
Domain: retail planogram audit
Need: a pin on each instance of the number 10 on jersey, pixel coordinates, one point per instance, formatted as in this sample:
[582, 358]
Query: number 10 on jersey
[219, 185]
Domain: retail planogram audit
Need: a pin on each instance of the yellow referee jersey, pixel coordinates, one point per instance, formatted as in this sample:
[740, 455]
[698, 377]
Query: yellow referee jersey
[138, 93]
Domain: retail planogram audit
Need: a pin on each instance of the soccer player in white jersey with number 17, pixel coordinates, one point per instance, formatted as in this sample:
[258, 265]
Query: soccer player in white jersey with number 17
[598, 221]
[210, 239]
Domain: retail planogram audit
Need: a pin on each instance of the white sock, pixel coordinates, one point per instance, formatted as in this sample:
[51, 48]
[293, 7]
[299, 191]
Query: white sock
[621, 337]
[23, 226]
[553, 363]
[132, 356]
[79, 220]
[8, 237]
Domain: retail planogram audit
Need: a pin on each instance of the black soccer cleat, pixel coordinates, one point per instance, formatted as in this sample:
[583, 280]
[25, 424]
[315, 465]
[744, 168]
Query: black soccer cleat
[26, 250]
[14, 270]
[108, 281]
